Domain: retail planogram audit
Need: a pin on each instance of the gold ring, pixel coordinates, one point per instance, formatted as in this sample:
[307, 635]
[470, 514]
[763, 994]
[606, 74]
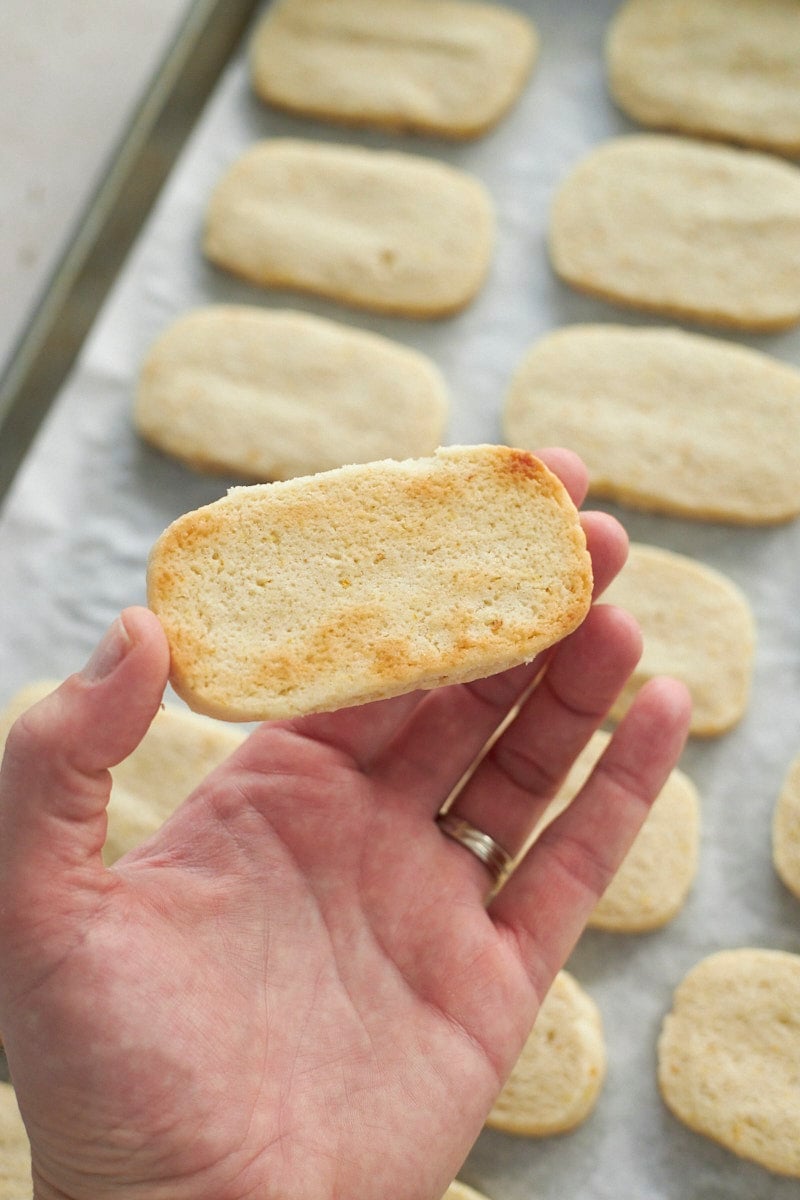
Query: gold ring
[496, 860]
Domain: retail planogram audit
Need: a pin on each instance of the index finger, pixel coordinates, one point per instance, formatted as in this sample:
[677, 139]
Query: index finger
[570, 469]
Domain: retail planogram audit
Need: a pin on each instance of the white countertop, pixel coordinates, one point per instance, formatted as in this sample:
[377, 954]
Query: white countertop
[72, 73]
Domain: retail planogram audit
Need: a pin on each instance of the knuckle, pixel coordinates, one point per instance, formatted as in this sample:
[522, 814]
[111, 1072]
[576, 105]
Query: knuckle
[525, 771]
[580, 864]
[27, 737]
[36, 731]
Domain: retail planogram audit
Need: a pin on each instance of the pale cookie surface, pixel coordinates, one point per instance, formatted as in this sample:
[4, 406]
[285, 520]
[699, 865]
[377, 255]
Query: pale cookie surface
[385, 231]
[15, 1151]
[426, 66]
[174, 757]
[696, 625]
[369, 581]
[656, 875]
[558, 1076]
[728, 1054]
[461, 1191]
[786, 830]
[722, 68]
[273, 394]
[670, 225]
[665, 420]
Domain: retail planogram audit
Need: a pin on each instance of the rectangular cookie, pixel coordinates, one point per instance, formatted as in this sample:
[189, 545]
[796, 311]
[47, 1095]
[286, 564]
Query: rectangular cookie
[269, 394]
[438, 67]
[368, 581]
[383, 231]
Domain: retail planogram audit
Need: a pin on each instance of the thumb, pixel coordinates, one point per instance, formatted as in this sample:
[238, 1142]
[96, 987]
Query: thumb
[54, 780]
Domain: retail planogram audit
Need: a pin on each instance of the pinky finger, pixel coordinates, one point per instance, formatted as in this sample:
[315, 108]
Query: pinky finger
[547, 901]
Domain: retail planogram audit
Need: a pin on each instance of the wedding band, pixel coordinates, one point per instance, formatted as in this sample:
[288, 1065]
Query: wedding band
[496, 860]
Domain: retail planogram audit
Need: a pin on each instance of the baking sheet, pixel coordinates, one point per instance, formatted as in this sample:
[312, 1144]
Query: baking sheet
[90, 500]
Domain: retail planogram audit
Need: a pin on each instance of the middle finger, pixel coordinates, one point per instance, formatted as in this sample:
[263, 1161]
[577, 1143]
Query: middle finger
[514, 783]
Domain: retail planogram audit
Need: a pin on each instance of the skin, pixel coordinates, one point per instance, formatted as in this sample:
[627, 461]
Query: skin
[299, 988]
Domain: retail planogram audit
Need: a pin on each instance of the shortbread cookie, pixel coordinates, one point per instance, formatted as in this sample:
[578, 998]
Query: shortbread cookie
[697, 626]
[728, 1055]
[559, 1075]
[670, 225]
[461, 1191]
[369, 581]
[786, 830]
[268, 395]
[391, 232]
[15, 1151]
[175, 755]
[424, 66]
[656, 875]
[665, 420]
[721, 68]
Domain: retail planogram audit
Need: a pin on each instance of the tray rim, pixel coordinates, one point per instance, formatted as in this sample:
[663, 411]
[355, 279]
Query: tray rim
[95, 251]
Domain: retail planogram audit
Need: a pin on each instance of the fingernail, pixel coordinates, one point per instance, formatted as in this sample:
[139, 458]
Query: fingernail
[108, 654]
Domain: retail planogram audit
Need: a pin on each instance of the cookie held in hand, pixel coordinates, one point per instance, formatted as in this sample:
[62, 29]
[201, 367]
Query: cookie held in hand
[368, 581]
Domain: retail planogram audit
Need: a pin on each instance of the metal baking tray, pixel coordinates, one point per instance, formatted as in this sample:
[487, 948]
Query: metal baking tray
[207, 38]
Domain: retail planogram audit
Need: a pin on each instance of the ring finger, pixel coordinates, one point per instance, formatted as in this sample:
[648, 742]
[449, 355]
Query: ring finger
[523, 769]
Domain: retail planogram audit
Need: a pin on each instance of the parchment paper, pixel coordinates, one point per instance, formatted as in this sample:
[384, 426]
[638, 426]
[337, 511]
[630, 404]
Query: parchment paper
[90, 500]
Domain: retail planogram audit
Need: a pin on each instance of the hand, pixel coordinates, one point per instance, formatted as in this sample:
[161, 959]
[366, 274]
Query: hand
[296, 990]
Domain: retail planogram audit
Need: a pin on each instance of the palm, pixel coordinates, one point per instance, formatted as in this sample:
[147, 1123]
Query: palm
[337, 914]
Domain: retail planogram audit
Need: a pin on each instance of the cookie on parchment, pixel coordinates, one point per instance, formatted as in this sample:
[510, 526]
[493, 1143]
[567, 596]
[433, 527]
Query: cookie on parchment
[175, 755]
[728, 1054]
[697, 626]
[558, 1076]
[786, 830]
[685, 228]
[266, 394]
[374, 229]
[15, 1150]
[715, 68]
[438, 67]
[665, 420]
[461, 1191]
[657, 873]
